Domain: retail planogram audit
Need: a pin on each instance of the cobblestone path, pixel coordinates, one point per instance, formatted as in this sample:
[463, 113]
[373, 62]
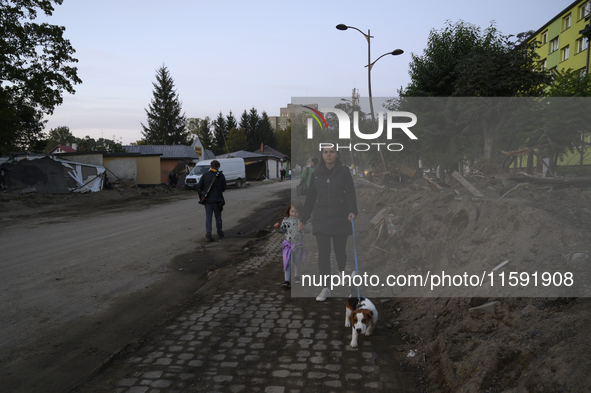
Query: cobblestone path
[253, 337]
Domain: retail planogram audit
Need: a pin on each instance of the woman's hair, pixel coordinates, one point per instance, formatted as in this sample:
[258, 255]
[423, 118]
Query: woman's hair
[298, 206]
[321, 167]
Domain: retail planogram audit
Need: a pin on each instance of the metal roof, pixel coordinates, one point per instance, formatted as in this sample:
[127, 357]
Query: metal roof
[242, 154]
[167, 151]
[208, 155]
[269, 151]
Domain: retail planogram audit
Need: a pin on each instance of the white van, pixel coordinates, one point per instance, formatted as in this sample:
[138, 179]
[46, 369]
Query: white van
[232, 168]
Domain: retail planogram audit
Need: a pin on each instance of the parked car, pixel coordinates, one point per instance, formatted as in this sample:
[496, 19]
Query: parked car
[232, 168]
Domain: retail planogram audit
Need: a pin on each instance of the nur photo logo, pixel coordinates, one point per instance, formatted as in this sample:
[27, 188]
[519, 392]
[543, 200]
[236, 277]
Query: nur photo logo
[393, 122]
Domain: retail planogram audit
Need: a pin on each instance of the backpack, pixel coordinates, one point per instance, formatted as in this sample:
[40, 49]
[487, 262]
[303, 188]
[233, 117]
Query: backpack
[302, 188]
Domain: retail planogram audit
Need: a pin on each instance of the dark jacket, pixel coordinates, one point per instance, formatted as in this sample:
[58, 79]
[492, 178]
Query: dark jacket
[330, 199]
[216, 192]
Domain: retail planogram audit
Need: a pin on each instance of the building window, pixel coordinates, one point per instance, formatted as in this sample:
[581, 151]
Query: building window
[543, 65]
[584, 10]
[566, 22]
[582, 44]
[564, 54]
[554, 45]
[545, 37]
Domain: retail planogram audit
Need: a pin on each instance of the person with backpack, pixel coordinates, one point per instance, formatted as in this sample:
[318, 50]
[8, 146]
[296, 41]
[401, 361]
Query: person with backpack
[306, 176]
[212, 186]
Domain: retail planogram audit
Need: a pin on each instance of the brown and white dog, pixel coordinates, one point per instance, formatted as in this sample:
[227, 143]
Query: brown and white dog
[362, 315]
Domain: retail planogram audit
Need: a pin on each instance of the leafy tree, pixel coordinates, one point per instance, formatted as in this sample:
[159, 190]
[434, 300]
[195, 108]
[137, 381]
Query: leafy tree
[34, 71]
[59, 136]
[86, 144]
[109, 145]
[102, 144]
[192, 128]
[201, 128]
[462, 61]
[498, 67]
[166, 125]
[236, 139]
[283, 138]
[20, 126]
[569, 83]
[566, 120]
[434, 73]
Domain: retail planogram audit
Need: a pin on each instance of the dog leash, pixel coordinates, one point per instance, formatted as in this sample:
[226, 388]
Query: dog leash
[355, 253]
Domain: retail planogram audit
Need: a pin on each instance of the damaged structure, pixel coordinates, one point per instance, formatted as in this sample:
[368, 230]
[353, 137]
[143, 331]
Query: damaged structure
[49, 175]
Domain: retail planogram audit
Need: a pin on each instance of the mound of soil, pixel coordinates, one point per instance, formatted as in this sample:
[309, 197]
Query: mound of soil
[512, 344]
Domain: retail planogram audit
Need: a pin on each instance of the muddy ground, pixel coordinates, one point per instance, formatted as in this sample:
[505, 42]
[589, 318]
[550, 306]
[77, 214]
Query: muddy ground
[60, 357]
[520, 344]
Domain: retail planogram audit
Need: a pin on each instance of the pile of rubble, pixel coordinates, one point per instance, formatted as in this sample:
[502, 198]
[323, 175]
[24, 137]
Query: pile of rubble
[522, 339]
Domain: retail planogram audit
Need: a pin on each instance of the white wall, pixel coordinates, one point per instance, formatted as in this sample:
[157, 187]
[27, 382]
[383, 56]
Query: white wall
[274, 166]
[125, 168]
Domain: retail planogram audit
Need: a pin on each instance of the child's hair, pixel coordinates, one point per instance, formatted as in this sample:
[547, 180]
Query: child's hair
[298, 206]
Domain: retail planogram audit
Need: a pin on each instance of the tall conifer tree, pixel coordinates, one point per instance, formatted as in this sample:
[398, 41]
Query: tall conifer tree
[265, 131]
[220, 133]
[231, 122]
[166, 124]
[252, 131]
[204, 133]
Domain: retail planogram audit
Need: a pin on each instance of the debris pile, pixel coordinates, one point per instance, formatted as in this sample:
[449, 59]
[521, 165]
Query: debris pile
[489, 343]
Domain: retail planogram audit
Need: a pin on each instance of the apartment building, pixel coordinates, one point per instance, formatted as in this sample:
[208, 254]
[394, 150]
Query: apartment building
[281, 122]
[560, 43]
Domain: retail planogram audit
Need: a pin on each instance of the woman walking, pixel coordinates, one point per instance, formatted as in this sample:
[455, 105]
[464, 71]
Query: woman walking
[332, 203]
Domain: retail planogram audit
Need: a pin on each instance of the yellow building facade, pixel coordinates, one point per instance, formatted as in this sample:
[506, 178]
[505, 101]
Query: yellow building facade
[561, 46]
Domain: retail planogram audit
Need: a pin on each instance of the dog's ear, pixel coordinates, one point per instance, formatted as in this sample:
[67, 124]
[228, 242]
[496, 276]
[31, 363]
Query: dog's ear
[371, 312]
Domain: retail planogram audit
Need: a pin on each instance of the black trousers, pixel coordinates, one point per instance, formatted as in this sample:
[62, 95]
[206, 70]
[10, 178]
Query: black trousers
[211, 209]
[339, 244]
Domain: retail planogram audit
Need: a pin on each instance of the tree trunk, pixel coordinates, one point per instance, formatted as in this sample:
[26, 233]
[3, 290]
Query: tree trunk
[488, 142]
[530, 163]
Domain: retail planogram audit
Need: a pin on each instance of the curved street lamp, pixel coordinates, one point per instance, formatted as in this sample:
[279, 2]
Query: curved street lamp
[355, 107]
[369, 66]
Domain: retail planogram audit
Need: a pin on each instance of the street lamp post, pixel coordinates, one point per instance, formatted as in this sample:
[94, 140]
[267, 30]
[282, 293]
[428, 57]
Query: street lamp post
[369, 66]
[355, 106]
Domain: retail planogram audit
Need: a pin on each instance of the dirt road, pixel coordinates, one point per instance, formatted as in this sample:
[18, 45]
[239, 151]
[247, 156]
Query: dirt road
[79, 284]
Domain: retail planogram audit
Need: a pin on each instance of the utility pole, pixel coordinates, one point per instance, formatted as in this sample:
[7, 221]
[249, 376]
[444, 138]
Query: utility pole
[355, 106]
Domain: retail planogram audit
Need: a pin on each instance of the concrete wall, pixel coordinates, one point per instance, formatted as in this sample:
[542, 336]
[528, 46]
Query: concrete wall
[148, 170]
[90, 159]
[124, 168]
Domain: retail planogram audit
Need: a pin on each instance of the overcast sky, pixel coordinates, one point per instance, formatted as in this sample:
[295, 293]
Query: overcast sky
[234, 55]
